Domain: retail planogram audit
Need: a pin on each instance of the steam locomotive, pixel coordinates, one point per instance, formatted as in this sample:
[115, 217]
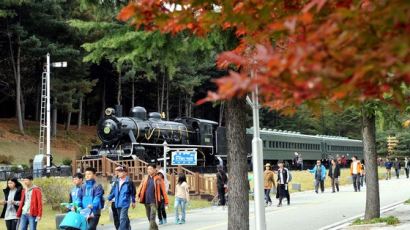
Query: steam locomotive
[144, 137]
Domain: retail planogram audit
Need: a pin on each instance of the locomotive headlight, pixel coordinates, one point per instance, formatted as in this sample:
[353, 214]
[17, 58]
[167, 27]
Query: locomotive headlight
[107, 130]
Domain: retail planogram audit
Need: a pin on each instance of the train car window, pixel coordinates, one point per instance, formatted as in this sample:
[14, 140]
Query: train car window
[270, 144]
[264, 144]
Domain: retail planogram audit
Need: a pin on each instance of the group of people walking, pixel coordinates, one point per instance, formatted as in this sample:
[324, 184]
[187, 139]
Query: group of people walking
[357, 173]
[283, 177]
[23, 206]
[397, 165]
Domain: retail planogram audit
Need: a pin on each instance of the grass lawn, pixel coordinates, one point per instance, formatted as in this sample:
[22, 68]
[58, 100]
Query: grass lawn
[24, 151]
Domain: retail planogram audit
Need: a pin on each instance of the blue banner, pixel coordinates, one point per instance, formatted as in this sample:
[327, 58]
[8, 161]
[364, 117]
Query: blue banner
[184, 158]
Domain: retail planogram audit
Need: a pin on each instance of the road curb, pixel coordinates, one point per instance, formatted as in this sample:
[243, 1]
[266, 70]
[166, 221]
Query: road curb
[346, 222]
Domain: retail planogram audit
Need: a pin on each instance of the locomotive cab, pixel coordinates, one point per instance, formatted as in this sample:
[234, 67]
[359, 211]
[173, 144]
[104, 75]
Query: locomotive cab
[201, 131]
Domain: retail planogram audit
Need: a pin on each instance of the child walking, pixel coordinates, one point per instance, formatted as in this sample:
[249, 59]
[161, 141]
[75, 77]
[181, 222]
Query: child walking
[181, 198]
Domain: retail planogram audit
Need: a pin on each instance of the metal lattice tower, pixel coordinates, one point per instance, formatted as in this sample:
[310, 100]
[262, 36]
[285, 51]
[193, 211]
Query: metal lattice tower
[43, 124]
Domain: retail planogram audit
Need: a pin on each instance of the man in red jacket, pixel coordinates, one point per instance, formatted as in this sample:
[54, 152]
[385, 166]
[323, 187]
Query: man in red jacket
[31, 205]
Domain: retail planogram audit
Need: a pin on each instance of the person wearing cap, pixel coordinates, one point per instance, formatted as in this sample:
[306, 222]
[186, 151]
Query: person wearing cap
[124, 194]
[162, 214]
[269, 183]
[31, 205]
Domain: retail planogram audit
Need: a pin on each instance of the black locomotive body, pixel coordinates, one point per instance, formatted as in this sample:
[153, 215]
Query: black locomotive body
[140, 136]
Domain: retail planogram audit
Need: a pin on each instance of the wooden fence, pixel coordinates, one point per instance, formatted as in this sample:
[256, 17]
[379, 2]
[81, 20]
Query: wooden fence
[199, 184]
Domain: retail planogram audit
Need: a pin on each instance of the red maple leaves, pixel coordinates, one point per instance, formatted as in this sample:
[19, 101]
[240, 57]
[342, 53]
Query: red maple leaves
[299, 51]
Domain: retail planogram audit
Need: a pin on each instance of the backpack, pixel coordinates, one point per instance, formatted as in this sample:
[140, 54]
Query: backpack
[95, 185]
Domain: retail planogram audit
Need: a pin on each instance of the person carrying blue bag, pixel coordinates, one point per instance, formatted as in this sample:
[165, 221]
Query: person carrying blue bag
[91, 195]
[319, 172]
[124, 193]
[76, 218]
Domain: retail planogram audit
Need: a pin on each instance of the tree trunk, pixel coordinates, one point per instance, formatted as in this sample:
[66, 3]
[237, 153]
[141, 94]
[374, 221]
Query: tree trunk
[80, 113]
[17, 78]
[221, 113]
[133, 94]
[54, 116]
[238, 208]
[103, 99]
[162, 94]
[119, 89]
[179, 106]
[67, 124]
[158, 98]
[167, 105]
[186, 106]
[23, 107]
[38, 101]
[370, 159]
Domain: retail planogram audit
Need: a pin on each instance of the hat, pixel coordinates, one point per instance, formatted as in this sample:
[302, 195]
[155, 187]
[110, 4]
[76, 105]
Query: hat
[267, 165]
[121, 168]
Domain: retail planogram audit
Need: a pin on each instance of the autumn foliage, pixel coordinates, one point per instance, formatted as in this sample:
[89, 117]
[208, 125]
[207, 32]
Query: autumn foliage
[300, 51]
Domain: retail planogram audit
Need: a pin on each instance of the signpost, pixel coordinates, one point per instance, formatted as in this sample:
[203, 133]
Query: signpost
[179, 156]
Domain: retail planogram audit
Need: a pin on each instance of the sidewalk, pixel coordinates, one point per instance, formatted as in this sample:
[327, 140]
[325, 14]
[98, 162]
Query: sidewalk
[402, 212]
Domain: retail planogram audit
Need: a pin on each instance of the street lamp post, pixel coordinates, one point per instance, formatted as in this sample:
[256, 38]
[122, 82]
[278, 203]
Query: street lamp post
[48, 95]
[257, 162]
[48, 148]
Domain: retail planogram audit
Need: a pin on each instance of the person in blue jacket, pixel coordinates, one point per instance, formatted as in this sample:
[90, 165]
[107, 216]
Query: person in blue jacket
[319, 171]
[91, 196]
[124, 193]
[388, 166]
[75, 191]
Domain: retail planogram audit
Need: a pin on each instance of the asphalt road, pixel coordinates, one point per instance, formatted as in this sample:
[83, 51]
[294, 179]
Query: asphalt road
[308, 210]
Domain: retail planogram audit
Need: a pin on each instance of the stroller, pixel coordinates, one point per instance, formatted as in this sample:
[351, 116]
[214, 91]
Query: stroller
[75, 219]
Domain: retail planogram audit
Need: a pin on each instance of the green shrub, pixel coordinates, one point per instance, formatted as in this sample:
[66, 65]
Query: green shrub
[55, 190]
[25, 167]
[6, 159]
[14, 168]
[407, 201]
[390, 220]
[67, 162]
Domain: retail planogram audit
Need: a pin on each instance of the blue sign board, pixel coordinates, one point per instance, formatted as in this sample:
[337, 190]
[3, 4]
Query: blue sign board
[184, 158]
